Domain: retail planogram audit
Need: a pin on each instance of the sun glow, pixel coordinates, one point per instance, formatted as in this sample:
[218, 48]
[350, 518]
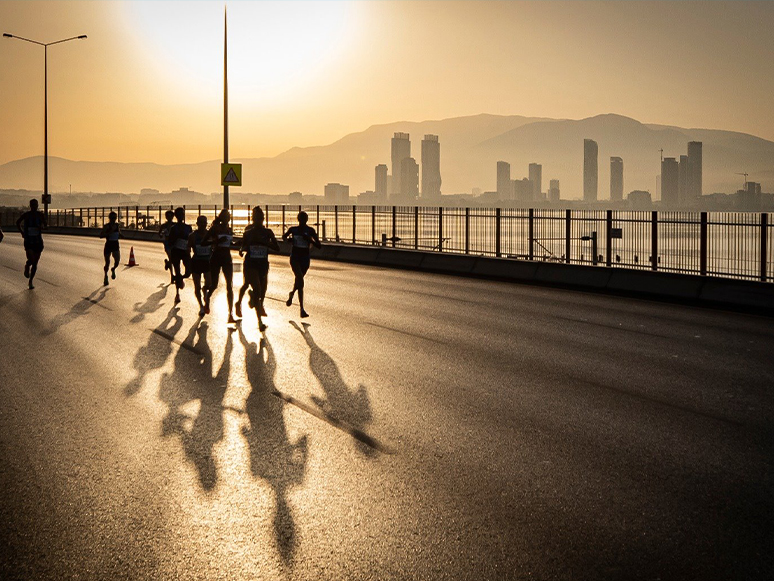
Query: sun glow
[274, 48]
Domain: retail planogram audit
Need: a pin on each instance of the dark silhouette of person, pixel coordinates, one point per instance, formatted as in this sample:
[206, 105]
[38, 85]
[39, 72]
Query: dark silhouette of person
[154, 354]
[200, 264]
[111, 232]
[273, 457]
[256, 243]
[164, 234]
[1, 235]
[302, 236]
[221, 235]
[179, 255]
[31, 225]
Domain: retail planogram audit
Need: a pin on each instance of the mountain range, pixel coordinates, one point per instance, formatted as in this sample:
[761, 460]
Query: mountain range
[470, 149]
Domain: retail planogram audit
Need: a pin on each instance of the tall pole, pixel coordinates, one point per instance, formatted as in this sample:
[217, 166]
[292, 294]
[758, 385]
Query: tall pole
[225, 101]
[45, 131]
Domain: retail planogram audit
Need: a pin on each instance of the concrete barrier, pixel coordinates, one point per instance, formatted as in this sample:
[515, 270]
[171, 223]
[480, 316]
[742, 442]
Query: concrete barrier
[516, 270]
[357, 254]
[744, 293]
[664, 284]
[401, 258]
[451, 263]
[573, 275]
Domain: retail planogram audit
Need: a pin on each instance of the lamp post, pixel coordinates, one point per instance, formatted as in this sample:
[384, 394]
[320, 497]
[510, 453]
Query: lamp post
[45, 45]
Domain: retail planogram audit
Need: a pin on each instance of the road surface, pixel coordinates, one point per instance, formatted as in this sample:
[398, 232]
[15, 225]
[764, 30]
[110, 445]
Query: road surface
[418, 427]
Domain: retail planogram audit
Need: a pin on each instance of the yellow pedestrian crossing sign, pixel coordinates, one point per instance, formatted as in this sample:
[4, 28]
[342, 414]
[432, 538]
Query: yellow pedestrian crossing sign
[230, 174]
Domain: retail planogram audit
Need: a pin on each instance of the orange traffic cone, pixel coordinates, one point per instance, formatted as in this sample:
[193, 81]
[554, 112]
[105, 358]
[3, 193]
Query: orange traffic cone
[131, 258]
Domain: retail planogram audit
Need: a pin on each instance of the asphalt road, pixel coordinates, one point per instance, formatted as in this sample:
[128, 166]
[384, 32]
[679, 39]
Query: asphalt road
[419, 427]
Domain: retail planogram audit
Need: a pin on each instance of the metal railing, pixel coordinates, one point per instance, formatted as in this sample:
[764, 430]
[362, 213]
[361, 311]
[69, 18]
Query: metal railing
[723, 244]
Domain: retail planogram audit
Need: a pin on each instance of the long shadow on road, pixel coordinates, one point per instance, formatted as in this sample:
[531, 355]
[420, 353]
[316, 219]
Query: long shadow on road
[273, 457]
[340, 403]
[191, 380]
[154, 354]
[79, 309]
[151, 304]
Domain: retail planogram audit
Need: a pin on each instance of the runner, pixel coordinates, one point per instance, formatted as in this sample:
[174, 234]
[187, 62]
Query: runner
[302, 236]
[111, 232]
[221, 235]
[200, 264]
[179, 254]
[164, 234]
[256, 242]
[1, 235]
[31, 225]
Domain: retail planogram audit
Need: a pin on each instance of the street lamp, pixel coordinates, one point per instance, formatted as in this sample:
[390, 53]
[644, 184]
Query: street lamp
[45, 45]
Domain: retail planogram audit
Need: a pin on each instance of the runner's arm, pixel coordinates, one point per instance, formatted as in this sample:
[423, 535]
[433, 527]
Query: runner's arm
[19, 223]
[286, 235]
[315, 239]
[273, 242]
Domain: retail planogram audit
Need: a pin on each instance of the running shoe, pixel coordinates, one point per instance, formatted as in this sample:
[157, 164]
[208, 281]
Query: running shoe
[304, 314]
[113, 273]
[31, 286]
[201, 312]
[177, 299]
[261, 327]
[251, 300]
[290, 300]
[26, 270]
[106, 281]
[262, 311]
[231, 319]
[207, 310]
[166, 264]
[238, 309]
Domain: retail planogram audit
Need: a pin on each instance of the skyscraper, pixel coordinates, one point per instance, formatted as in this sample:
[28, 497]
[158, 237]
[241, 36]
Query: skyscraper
[682, 181]
[409, 179]
[380, 186]
[336, 194]
[670, 180]
[503, 180]
[694, 170]
[431, 168]
[553, 191]
[536, 177]
[400, 149]
[590, 170]
[616, 179]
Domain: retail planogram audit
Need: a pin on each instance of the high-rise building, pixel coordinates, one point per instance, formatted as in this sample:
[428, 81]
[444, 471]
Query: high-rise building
[380, 185]
[590, 170]
[682, 181]
[522, 191]
[670, 180]
[400, 150]
[694, 170]
[431, 168]
[336, 194]
[503, 180]
[616, 179]
[553, 191]
[536, 177]
[409, 179]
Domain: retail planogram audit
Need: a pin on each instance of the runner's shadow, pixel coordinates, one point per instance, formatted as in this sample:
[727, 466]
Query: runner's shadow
[154, 354]
[79, 309]
[339, 403]
[190, 381]
[273, 457]
[151, 304]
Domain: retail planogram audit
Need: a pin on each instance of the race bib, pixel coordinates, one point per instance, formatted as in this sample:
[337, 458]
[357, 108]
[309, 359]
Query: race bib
[113, 236]
[258, 252]
[32, 231]
[300, 241]
[203, 251]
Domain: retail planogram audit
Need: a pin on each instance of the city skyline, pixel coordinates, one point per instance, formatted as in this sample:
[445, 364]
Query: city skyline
[129, 93]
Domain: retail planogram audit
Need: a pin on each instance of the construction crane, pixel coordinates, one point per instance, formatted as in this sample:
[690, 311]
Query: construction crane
[745, 174]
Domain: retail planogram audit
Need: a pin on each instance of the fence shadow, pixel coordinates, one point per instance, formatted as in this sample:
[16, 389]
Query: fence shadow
[340, 403]
[273, 457]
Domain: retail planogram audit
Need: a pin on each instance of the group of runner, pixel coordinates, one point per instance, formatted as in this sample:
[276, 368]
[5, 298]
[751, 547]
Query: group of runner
[203, 254]
[200, 254]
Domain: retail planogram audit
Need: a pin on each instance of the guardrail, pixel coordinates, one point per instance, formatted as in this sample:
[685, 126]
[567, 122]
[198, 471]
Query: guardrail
[723, 244]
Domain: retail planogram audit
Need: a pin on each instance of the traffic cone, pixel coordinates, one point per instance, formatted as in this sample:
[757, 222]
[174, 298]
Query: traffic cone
[131, 258]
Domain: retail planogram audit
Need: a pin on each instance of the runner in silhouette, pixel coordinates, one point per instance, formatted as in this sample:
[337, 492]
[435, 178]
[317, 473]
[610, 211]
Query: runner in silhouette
[31, 225]
[111, 232]
[302, 237]
[221, 235]
[179, 254]
[200, 264]
[164, 234]
[256, 243]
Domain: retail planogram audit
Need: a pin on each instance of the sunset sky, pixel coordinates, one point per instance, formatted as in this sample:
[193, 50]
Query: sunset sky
[147, 83]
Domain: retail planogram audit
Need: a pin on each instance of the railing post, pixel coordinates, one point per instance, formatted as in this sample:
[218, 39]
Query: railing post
[336, 223]
[594, 248]
[467, 230]
[764, 243]
[80, 216]
[373, 224]
[199, 210]
[498, 232]
[567, 235]
[394, 225]
[654, 240]
[440, 228]
[532, 234]
[354, 230]
[283, 218]
[416, 227]
[318, 215]
[609, 238]
[231, 220]
[703, 244]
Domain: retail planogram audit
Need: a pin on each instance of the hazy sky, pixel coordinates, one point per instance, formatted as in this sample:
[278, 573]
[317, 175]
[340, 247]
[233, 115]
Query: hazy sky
[147, 83]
